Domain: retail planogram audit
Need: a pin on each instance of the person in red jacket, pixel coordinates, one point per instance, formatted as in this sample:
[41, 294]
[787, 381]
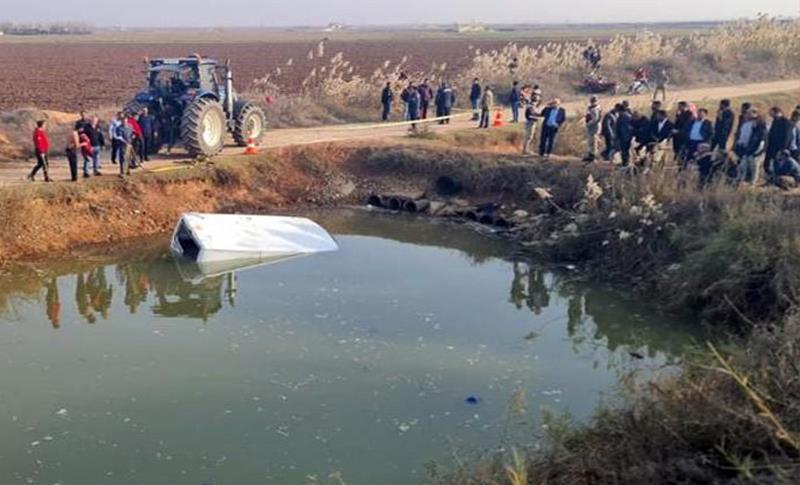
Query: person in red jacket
[41, 146]
[138, 134]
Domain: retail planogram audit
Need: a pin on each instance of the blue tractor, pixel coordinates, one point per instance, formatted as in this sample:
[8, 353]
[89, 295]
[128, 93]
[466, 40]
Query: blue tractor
[194, 104]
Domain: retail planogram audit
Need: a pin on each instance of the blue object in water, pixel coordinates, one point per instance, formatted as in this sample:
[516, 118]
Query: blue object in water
[472, 400]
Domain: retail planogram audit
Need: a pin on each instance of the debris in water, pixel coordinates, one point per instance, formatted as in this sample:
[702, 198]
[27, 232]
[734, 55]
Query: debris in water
[403, 427]
[472, 400]
[62, 412]
[532, 336]
[636, 355]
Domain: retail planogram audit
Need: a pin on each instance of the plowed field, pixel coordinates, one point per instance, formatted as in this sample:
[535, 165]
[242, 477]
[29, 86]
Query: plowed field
[71, 76]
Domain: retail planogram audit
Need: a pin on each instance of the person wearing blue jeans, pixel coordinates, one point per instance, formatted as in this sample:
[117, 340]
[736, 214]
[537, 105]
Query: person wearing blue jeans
[514, 100]
[97, 142]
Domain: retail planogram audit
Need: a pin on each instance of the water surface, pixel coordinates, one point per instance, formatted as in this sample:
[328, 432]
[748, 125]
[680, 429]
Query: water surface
[417, 342]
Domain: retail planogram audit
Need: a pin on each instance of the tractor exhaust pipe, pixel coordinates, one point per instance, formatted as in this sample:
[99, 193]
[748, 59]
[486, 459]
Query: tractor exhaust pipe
[229, 89]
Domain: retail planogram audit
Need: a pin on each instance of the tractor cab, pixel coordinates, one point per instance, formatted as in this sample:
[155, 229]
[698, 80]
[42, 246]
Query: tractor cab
[190, 75]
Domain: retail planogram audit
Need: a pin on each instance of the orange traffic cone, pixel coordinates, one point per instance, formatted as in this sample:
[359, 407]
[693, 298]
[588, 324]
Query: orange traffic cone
[498, 119]
[251, 147]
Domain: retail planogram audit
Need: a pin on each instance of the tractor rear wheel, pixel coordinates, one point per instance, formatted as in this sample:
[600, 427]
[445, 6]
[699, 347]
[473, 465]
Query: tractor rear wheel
[249, 125]
[203, 128]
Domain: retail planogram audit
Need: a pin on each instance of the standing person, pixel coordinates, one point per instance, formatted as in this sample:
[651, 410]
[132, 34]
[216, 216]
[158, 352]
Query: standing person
[532, 115]
[125, 137]
[659, 132]
[794, 148]
[405, 94]
[594, 116]
[779, 137]
[475, 94]
[387, 98]
[71, 151]
[723, 126]
[445, 100]
[749, 146]
[701, 131]
[97, 142]
[487, 104]
[414, 106]
[641, 132]
[147, 123]
[609, 132]
[135, 147]
[82, 121]
[514, 100]
[41, 146]
[743, 114]
[86, 151]
[680, 130]
[425, 95]
[661, 79]
[624, 134]
[116, 145]
[554, 116]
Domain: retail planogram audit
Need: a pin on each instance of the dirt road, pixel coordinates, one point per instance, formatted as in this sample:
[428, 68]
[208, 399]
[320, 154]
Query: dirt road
[14, 173]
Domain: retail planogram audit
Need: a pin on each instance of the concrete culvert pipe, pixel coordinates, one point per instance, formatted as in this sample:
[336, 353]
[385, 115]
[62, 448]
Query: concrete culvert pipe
[420, 205]
[396, 203]
[448, 186]
[375, 200]
[472, 215]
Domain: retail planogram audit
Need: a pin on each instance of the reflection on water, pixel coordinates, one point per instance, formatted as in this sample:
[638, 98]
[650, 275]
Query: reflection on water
[355, 363]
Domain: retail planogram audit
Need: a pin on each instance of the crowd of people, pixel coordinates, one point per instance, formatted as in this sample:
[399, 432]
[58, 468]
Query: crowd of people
[742, 149]
[129, 136]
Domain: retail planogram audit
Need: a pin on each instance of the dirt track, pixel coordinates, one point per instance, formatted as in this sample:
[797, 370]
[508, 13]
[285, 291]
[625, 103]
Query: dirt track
[14, 173]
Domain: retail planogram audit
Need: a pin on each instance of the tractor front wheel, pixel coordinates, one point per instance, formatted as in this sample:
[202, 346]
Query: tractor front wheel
[203, 128]
[250, 124]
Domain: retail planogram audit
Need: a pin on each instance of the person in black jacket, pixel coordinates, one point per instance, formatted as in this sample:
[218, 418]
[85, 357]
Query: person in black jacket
[553, 116]
[426, 96]
[779, 137]
[624, 134]
[680, 130]
[97, 142]
[659, 131]
[475, 94]
[608, 129]
[387, 98]
[723, 126]
[148, 124]
[445, 99]
[641, 128]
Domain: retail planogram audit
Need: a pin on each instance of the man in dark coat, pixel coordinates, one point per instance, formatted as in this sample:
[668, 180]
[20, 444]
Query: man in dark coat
[514, 100]
[749, 145]
[723, 126]
[779, 137]
[680, 130]
[387, 97]
[624, 134]
[426, 96]
[445, 100]
[475, 94]
[148, 124]
[553, 117]
[608, 129]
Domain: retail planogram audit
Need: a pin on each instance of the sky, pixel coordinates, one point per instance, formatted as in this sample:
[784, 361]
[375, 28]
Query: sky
[225, 13]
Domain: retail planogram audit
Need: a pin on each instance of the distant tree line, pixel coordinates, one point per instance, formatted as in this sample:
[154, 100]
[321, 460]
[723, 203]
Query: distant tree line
[57, 28]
